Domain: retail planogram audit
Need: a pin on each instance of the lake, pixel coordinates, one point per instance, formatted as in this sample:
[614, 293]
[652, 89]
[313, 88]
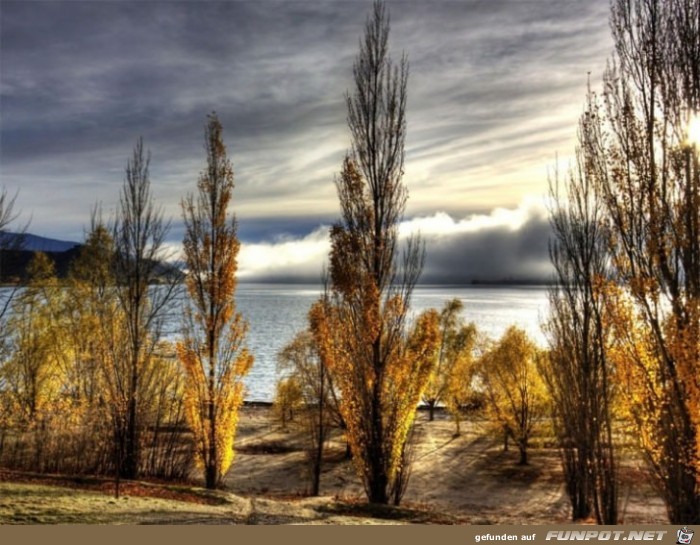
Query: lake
[276, 312]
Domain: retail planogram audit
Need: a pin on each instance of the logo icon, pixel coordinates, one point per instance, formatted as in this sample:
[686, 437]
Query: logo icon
[685, 536]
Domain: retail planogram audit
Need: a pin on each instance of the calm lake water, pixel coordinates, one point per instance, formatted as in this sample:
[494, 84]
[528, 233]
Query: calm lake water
[276, 312]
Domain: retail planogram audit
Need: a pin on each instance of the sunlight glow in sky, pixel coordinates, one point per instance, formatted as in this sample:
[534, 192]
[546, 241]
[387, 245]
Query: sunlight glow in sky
[495, 91]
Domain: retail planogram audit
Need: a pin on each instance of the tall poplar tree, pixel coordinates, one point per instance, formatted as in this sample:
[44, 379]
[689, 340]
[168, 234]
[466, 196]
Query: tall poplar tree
[578, 373]
[647, 171]
[212, 351]
[380, 371]
[139, 236]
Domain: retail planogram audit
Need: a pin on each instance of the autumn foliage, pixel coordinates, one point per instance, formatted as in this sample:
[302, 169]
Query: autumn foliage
[308, 393]
[517, 399]
[212, 350]
[450, 381]
[63, 389]
[377, 403]
[90, 385]
[647, 177]
[579, 373]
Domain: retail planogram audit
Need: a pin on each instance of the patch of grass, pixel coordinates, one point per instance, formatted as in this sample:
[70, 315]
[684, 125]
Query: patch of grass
[31, 503]
[182, 492]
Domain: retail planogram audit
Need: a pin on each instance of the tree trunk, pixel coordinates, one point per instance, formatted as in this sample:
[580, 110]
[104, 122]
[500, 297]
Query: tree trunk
[316, 470]
[523, 454]
[378, 488]
[130, 462]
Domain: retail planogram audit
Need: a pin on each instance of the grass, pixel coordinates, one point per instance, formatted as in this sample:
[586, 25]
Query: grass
[32, 503]
[41, 503]
[406, 513]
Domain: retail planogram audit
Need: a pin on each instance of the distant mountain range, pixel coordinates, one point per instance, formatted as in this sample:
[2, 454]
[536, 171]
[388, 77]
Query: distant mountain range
[17, 251]
[35, 243]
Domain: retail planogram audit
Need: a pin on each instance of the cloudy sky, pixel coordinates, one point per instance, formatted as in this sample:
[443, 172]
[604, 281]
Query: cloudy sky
[495, 90]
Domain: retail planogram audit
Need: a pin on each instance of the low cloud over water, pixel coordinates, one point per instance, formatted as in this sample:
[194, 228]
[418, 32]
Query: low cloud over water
[505, 245]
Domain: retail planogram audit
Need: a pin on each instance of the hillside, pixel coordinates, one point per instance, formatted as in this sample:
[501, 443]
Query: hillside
[17, 251]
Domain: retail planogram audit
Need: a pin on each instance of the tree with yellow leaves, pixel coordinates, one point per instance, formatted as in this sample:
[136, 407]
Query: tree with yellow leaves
[94, 324]
[309, 378]
[442, 370]
[34, 375]
[379, 369]
[450, 381]
[378, 404]
[91, 305]
[212, 350]
[288, 400]
[32, 371]
[646, 169]
[516, 395]
[460, 393]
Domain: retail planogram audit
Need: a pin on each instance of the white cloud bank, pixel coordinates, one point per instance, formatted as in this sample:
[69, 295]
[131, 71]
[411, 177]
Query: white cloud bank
[506, 244]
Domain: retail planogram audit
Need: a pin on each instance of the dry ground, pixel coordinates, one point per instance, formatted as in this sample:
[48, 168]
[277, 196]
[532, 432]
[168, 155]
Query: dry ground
[468, 478]
[465, 479]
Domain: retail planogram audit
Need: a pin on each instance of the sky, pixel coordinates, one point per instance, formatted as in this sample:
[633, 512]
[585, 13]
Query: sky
[494, 94]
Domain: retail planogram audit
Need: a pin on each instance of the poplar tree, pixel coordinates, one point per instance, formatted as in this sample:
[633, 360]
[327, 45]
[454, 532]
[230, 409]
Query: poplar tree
[647, 171]
[212, 351]
[139, 236]
[578, 372]
[363, 335]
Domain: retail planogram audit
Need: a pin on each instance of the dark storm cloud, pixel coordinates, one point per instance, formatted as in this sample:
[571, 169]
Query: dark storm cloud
[494, 92]
[506, 245]
[492, 255]
[273, 229]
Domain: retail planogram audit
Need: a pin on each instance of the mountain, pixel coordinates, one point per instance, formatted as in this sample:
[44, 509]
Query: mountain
[34, 243]
[17, 251]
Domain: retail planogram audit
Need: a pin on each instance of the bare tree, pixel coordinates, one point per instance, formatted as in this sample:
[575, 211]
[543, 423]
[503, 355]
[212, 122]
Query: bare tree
[577, 373]
[139, 236]
[9, 242]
